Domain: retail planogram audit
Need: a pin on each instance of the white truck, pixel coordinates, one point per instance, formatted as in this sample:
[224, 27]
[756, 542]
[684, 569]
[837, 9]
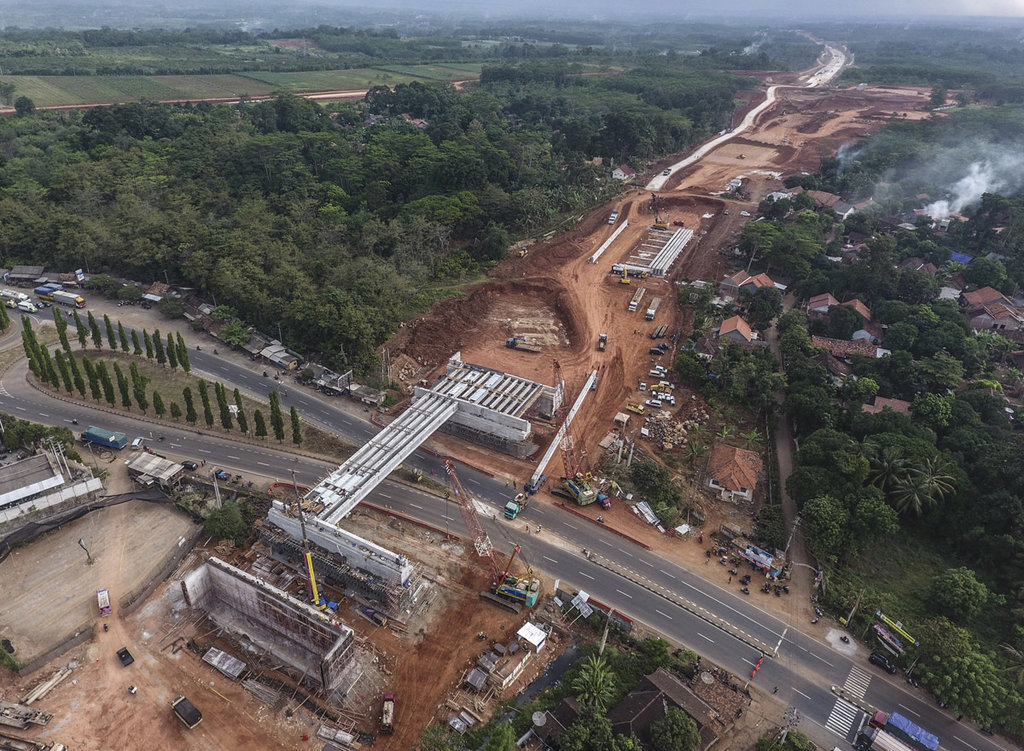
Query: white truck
[26, 306]
[652, 309]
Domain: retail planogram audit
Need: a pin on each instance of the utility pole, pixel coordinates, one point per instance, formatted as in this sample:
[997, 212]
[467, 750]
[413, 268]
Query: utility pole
[216, 487]
[604, 636]
[796, 523]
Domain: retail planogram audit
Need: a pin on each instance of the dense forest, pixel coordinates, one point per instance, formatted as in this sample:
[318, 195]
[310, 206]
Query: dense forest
[110, 51]
[985, 59]
[337, 224]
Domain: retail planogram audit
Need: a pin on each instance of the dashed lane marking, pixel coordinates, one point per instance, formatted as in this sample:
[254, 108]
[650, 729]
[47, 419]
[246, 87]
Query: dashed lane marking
[587, 575]
[627, 594]
[664, 614]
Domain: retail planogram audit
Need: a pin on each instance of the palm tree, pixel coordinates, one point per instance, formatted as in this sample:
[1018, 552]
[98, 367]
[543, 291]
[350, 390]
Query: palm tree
[923, 486]
[888, 468]
[1016, 666]
[696, 450]
[595, 684]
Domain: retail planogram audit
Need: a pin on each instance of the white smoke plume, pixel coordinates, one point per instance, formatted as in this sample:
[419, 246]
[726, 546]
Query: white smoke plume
[982, 177]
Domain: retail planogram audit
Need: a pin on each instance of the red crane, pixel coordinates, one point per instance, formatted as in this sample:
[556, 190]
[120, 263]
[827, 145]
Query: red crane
[481, 541]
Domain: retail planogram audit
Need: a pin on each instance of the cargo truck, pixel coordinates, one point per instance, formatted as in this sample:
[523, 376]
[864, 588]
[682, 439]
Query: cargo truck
[906, 730]
[652, 309]
[43, 293]
[534, 487]
[186, 712]
[873, 739]
[602, 342]
[637, 297]
[387, 715]
[103, 600]
[516, 506]
[104, 437]
[68, 298]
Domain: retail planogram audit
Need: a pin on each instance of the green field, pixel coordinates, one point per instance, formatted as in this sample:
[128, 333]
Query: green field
[54, 91]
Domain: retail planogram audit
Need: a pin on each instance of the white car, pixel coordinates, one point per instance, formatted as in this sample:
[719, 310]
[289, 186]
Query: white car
[642, 386]
[653, 403]
[667, 172]
[744, 213]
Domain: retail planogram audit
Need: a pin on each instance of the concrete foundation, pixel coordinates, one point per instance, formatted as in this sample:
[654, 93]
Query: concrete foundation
[315, 644]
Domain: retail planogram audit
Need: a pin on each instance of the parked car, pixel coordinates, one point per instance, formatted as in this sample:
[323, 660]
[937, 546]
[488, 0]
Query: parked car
[125, 656]
[877, 658]
[656, 403]
[190, 465]
[667, 172]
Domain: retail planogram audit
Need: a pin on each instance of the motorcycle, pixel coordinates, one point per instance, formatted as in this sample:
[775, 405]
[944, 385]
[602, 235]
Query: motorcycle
[74, 420]
[815, 619]
[745, 591]
[732, 572]
[844, 639]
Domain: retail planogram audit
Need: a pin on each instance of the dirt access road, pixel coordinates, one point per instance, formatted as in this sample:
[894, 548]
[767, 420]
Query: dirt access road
[555, 291]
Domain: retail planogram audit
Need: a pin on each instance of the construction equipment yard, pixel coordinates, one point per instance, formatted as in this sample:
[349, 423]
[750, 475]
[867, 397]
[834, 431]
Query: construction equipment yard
[554, 299]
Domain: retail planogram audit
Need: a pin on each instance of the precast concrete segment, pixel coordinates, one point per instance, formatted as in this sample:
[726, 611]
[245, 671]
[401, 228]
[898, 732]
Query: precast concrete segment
[697, 610]
[557, 441]
[670, 252]
[343, 489]
[607, 243]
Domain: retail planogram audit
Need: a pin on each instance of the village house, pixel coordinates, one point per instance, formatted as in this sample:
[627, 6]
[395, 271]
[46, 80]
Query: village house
[737, 330]
[650, 701]
[741, 281]
[979, 298]
[996, 317]
[624, 172]
[898, 406]
[733, 472]
[843, 348]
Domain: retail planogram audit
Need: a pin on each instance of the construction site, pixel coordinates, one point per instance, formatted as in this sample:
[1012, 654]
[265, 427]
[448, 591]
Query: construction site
[337, 606]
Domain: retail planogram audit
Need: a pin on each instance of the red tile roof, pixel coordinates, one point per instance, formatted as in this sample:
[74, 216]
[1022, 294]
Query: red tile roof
[738, 325]
[864, 310]
[822, 302]
[844, 348]
[984, 296]
[896, 405]
[733, 468]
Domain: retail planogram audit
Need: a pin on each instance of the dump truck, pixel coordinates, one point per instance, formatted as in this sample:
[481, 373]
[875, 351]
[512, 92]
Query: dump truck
[652, 309]
[906, 730]
[580, 491]
[518, 342]
[187, 712]
[387, 715]
[873, 739]
[602, 342]
[108, 438]
[516, 506]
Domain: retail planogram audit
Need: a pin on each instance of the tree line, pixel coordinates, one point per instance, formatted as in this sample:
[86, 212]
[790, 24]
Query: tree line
[91, 378]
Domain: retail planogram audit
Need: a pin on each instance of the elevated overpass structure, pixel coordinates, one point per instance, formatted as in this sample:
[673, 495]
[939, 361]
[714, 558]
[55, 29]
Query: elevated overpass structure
[478, 403]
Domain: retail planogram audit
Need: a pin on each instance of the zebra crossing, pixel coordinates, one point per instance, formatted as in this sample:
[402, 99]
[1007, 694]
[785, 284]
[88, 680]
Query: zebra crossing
[845, 716]
[857, 683]
[3, 391]
[842, 718]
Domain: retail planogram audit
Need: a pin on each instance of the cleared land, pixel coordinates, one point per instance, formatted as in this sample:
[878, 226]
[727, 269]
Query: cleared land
[54, 91]
[50, 590]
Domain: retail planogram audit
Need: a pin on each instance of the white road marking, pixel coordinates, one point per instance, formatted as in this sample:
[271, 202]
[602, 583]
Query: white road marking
[664, 614]
[550, 559]
[204, 451]
[263, 464]
[666, 573]
[385, 495]
[570, 526]
[624, 593]
[234, 457]
[587, 575]
[647, 563]
[43, 414]
[626, 552]
[708, 638]
[822, 659]
[22, 409]
[798, 691]
[416, 506]
[965, 743]
[908, 709]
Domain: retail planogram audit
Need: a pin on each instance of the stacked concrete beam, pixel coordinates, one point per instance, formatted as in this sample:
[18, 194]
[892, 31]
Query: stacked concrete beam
[670, 252]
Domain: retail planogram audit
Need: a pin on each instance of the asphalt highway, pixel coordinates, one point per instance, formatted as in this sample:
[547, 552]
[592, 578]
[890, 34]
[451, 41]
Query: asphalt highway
[723, 625]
